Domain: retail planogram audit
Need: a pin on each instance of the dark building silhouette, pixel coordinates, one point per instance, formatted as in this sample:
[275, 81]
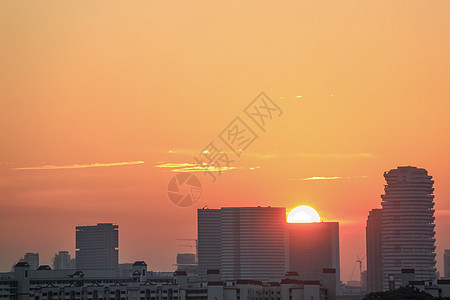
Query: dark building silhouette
[208, 245]
[313, 247]
[407, 229]
[447, 263]
[243, 242]
[63, 261]
[373, 251]
[32, 259]
[97, 246]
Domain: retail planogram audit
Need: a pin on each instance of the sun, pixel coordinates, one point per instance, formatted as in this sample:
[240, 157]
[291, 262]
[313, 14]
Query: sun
[303, 214]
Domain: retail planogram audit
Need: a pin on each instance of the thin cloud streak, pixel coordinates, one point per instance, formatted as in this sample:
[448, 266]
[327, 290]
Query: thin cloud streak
[327, 178]
[313, 155]
[189, 167]
[81, 166]
[321, 178]
[274, 155]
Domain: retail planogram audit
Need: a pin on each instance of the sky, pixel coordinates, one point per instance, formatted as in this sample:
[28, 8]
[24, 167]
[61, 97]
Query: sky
[98, 97]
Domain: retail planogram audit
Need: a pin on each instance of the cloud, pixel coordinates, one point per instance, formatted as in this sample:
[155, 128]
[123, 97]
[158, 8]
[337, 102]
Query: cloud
[81, 166]
[313, 155]
[317, 178]
[190, 167]
[274, 155]
[326, 178]
[335, 155]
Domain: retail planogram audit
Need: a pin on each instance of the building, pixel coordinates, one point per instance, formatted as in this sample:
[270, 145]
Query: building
[373, 251]
[97, 246]
[208, 244]
[312, 248]
[47, 284]
[62, 261]
[243, 242]
[32, 259]
[253, 243]
[186, 262]
[407, 227]
[447, 263]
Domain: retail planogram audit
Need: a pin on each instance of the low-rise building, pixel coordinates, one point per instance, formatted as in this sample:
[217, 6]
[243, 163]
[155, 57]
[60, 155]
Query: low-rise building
[46, 284]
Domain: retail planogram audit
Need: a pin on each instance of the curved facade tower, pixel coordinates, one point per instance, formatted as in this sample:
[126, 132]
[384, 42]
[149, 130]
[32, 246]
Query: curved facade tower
[407, 225]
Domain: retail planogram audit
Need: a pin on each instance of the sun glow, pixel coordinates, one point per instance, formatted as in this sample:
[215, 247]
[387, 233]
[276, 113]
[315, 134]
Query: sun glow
[303, 214]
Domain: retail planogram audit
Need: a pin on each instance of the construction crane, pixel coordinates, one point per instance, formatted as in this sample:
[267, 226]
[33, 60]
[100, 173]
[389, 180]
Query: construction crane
[189, 244]
[360, 261]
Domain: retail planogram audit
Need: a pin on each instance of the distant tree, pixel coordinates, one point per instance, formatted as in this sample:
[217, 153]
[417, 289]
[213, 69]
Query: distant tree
[404, 292]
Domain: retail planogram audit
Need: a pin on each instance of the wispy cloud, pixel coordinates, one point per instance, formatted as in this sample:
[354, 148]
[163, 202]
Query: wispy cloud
[312, 155]
[80, 166]
[335, 155]
[279, 154]
[326, 178]
[190, 167]
[321, 178]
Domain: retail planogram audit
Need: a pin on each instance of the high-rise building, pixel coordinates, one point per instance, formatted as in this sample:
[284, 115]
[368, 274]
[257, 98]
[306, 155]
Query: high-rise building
[253, 243]
[243, 242]
[447, 263]
[63, 261]
[208, 245]
[313, 247]
[97, 246]
[32, 259]
[373, 251]
[407, 225]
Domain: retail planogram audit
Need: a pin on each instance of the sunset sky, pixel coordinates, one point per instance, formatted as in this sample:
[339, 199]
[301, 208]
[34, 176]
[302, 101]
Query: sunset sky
[96, 97]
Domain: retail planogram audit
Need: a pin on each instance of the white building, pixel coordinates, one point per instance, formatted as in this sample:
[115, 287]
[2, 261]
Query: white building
[407, 226]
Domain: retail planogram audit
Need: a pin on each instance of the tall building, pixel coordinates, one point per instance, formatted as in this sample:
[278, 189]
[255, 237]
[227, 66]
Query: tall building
[97, 246]
[407, 225]
[447, 263]
[32, 259]
[63, 261]
[314, 247]
[208, 245]
[373, 251]
[243, 242]
[253, 243]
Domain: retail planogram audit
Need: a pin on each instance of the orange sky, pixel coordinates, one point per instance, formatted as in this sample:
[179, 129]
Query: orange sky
[154, 82]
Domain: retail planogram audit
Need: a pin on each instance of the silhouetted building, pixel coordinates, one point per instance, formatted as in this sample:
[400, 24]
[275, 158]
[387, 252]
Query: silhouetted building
[407, 225]
[253, 243]
[373, 251]
[32, 259]
[47, 284]
[313, 247]
[97, 246]
[185, 258]
[447, 263]
[243, 242]
[63, 261]
[208, 245]
[186, 262]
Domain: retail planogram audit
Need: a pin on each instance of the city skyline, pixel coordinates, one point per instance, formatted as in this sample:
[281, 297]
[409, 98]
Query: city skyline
[92, 227]
[402, 180]
[102, 103]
